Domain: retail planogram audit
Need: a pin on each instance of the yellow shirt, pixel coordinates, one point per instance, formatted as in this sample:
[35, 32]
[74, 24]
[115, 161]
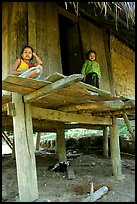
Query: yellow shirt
[24, 66]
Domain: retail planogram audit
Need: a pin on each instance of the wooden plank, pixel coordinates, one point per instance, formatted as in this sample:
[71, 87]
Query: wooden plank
[26, 82]
[54, 115]
[96, 195]
[99, 91]
[31, 25]
[15, 88]
[47, 26]
[54, 77]
[51, 88]
[5, 35]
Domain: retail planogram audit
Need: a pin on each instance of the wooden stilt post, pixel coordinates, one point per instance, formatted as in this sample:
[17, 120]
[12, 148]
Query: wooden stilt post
[24, 150]
[105, 142]
[60, 142]
[38, 141]
[13, 150]
[115, 150]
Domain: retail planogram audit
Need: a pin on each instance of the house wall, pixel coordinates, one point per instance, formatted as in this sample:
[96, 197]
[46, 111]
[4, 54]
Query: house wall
[123, 68]
[92, 37]
[35, 24]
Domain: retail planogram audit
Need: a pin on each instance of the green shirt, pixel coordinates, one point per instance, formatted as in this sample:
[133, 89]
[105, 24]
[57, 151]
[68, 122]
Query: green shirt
[91, 66]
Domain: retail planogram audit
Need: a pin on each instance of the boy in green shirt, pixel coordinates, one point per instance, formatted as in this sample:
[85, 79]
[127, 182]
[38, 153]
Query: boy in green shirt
[91, 69]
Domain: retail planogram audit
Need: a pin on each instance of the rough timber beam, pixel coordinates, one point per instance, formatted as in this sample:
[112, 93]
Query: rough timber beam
[55, 115]
[51, 88]
[95, 105]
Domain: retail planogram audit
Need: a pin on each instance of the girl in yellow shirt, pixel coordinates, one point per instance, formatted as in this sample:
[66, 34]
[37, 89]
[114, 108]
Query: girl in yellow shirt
[24, 68]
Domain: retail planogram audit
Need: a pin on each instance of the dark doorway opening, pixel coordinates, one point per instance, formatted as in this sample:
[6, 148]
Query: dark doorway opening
[70, 46]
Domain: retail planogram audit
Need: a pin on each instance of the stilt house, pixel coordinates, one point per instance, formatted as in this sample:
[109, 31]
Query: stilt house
[61, 34]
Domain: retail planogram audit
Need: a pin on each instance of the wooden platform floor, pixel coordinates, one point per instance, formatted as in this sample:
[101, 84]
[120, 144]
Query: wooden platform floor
[65, 94]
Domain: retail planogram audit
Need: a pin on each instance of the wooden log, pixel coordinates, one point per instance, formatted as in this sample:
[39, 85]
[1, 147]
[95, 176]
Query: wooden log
[61, 146]
[96, 195]
[127, 122]
[115, 150]
[24, 150]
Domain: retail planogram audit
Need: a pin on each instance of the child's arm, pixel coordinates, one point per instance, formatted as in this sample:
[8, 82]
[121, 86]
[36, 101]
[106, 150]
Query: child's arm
[14, 68]
[38, 60]
[83, 70]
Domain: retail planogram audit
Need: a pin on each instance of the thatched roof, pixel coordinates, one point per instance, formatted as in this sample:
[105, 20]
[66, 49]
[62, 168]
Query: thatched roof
[117, 18]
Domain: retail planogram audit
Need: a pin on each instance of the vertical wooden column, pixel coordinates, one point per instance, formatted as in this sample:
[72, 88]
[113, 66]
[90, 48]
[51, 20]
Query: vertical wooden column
[13, 149]
[105, 142]
[38, 141]
[24, 150]
[60, 144]
[115, 150]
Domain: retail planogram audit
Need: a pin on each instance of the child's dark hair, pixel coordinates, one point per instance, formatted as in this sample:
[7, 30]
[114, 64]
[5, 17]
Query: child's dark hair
[87, 55]
[27, 46]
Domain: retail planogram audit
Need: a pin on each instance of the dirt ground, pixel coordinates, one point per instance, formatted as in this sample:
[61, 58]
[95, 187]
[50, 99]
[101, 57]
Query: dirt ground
[88, 167]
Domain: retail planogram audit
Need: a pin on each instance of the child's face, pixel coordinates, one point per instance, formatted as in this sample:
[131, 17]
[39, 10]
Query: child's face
[27, 54]
[92, 56]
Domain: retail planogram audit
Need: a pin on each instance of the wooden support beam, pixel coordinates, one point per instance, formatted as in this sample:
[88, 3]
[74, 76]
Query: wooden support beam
[55, 115]
[105, 142]
[127, 122]
[13, 149]
[24, 149]
[51, 88]
[38, 141]
[103, 93]
[61, 146]
[115, 150]
[85, 126]
[95, 105]
[69, 15]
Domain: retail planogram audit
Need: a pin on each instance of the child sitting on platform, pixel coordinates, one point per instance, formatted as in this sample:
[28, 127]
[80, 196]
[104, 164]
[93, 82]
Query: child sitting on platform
[91, 69]
[23, 66]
